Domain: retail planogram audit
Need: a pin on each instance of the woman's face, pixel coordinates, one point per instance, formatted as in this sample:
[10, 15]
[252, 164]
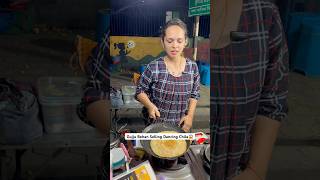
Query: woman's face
[174, 41]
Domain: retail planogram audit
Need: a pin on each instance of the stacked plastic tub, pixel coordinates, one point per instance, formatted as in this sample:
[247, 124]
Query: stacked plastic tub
[299, 42]
[303, 42]
[294, 27]
[204, 71]
[307, 53]
[59, 97]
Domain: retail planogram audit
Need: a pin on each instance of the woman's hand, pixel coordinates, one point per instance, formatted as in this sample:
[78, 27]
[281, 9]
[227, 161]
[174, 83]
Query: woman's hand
[153, 112]
[187, 123]
[247, 174]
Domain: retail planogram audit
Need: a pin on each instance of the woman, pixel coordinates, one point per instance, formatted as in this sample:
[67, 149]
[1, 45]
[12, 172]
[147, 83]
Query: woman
[249, 62]
[169, 86]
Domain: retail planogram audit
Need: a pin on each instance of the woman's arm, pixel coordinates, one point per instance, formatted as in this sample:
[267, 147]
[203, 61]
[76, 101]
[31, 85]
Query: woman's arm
[152, 109]
[95, 105]
[98, 113]
[264, 135]
[273, 106]
[187, 120]
[143, 91]
[192, 107]
[144, 99]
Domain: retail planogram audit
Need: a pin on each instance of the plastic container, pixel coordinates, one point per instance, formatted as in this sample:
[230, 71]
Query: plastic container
[59, 97]
[294, 24]
[294, 28]
[118, 158]
[128, 93]
[307, 55]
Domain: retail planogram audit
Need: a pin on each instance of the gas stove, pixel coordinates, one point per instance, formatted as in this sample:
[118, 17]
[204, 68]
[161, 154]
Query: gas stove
[168, 165]
[184, 171]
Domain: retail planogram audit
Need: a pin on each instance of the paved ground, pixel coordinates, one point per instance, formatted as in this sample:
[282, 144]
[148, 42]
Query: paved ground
[296, 155]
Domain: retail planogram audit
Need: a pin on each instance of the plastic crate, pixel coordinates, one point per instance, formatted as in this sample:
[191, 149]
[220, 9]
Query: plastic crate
[59, 97]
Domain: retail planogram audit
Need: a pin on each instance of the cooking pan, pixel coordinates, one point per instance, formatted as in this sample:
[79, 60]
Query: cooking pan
[205, 153]
[205, 157]
[159, 127]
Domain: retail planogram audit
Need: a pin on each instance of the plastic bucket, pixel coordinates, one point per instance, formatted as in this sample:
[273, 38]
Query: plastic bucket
[205, 74]
[142, 68]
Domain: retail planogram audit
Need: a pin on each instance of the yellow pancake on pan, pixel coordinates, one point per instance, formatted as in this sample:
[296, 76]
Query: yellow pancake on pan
[168, 148]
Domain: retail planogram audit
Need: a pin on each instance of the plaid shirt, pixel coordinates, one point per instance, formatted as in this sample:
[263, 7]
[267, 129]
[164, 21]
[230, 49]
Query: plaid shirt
[248, 78]
[98, 83]
[168, 93]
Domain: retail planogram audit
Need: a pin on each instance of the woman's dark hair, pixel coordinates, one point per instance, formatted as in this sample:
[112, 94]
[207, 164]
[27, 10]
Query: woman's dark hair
[174, 22]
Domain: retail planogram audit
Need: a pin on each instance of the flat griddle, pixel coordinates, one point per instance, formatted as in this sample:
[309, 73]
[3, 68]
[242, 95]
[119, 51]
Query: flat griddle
[159, 127]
